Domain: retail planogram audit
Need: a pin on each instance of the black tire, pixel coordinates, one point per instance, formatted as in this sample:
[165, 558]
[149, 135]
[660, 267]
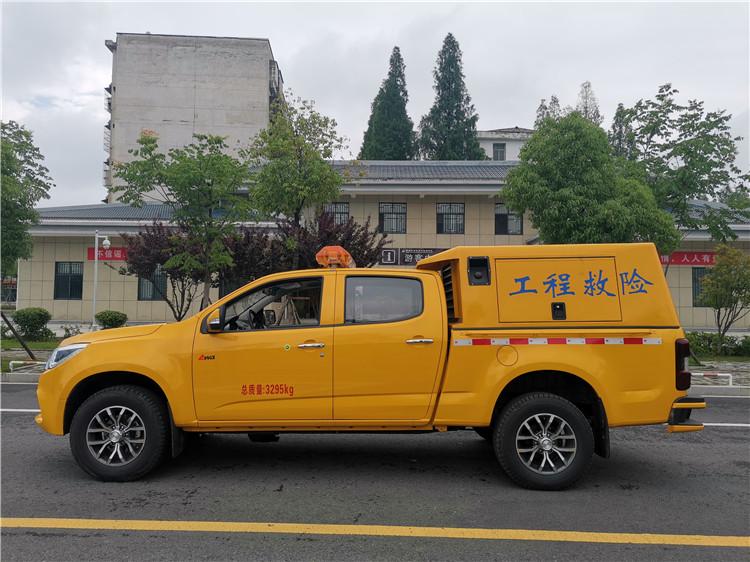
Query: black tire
[150, 410]
[536, 475]
[485, 433]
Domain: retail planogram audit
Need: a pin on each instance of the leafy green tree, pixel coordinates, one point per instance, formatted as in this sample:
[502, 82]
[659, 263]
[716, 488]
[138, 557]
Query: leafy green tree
[449, 130]
[542, 112]
[726, 289]
[204, 186]
[587, 105]
[577, 194]
[621, 137]
[151, 251]
[390, 131]
[25, 181]
[687, 153]
[291, 172]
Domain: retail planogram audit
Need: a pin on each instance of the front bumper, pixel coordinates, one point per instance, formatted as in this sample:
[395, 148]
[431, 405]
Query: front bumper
[679, 416]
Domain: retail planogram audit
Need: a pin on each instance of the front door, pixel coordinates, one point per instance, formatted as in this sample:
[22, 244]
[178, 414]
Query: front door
[389, 341]
[273, 359]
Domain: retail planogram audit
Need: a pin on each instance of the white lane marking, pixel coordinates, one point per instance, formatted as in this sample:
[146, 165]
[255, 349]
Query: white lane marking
[718, 424]
[723, 396]
[32, 383]
[19, 411]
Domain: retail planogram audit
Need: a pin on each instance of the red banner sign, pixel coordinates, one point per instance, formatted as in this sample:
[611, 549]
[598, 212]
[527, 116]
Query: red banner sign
[697, 259]
[110, 254]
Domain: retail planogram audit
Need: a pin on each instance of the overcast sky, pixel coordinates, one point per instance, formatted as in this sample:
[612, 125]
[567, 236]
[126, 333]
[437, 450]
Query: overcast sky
[55, 64]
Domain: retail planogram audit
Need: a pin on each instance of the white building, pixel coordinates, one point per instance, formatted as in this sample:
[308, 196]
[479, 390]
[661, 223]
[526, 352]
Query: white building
[178, 85]
[503, 144]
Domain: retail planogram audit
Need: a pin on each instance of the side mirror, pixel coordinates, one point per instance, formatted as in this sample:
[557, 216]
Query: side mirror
[213, 322]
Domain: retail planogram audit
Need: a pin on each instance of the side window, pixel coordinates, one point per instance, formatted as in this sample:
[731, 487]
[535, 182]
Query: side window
[68, 280]
[287, 304]
[698, 273]
[381, 299]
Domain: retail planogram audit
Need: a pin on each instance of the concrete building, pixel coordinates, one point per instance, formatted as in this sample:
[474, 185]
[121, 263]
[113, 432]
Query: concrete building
[503, 144]
[178, 85]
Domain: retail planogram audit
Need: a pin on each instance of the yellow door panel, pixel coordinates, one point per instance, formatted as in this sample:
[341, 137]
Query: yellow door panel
[526, 289]
[270, 363]
[388, 346]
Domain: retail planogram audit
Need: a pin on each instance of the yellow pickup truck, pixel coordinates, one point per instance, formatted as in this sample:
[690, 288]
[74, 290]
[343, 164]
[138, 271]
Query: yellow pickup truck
[539, 349]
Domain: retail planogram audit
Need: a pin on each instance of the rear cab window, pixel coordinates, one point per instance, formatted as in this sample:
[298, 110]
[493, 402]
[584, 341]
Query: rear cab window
[373, 299]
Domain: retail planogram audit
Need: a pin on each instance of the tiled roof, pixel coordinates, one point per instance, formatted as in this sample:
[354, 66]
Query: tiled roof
[112, 211]
[507, 130]
[425, 170]
[698, 208]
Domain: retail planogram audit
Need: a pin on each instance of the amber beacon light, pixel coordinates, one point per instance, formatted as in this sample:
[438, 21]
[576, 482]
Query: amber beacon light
[334, 256]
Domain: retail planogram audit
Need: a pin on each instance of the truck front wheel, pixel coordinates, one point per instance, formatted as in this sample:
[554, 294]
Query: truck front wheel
[543, 441]
[120, 433]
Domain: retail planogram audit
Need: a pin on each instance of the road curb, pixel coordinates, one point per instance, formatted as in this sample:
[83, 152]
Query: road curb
[20, 377]
[723, 390]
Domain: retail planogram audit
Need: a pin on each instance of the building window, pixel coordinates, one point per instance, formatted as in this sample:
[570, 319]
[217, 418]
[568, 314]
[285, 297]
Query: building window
[392, 218]
[498, 151]
[68, 280]
[698, 273]
[507, 222]
[339, 211]
[153, 288]
[450, 218]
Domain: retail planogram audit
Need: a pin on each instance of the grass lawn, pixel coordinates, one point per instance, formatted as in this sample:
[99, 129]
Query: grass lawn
[13, 343]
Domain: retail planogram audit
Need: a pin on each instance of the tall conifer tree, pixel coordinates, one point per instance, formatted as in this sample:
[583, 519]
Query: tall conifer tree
[449, 130]
[390, 132]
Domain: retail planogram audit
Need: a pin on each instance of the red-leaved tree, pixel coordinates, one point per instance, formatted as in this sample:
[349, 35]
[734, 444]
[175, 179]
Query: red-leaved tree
[151, 251]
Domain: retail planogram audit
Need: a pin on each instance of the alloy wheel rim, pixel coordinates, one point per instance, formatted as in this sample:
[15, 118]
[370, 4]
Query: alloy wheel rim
[546, 443]
[116, 436]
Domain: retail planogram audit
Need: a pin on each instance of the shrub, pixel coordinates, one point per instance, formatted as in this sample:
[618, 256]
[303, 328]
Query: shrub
[705, 343]
[70, 330]
[111, 318]
[32, 323]
[743, 348]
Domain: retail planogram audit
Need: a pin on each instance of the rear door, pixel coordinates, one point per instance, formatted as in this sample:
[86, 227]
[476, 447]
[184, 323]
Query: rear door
[388, 343]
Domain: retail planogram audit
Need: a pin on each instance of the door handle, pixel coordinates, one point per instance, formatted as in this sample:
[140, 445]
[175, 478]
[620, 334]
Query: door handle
[311, 345]
[419, 340]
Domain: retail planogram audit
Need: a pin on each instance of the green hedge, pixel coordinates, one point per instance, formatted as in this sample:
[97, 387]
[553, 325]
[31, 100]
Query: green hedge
[111, 318]
[704, 343]
[32, 323]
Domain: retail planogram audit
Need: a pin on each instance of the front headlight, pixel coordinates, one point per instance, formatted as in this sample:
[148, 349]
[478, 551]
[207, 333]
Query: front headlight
[62, 354]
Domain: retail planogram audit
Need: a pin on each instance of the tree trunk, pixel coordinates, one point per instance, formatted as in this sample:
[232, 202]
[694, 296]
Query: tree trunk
[206, 300]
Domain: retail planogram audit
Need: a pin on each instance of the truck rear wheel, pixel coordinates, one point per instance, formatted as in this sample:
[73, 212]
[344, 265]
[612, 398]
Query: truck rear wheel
[543, 441]
[120, 433]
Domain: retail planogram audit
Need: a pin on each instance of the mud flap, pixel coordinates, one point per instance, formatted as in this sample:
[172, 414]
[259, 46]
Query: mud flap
[601, 431]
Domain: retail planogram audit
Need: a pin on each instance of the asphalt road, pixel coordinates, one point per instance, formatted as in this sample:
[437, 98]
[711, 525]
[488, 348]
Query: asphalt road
[686, 484]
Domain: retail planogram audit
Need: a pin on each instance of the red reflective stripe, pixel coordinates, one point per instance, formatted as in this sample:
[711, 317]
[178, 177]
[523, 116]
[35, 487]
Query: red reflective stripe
[594, 341]
[557, 341]
[519, 341]
[482, 341]
[632, 341]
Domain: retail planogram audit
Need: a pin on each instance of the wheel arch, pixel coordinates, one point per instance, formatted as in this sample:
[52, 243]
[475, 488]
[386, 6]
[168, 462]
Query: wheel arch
[570, 386]
[99, 381]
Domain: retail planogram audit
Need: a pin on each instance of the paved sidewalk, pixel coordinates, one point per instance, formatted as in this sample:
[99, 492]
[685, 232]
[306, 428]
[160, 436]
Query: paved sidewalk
[722, 373]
